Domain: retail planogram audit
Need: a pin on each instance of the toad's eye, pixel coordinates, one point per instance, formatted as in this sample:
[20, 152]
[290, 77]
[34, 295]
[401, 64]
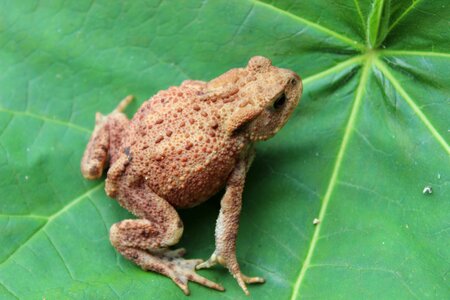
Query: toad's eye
[280, 101]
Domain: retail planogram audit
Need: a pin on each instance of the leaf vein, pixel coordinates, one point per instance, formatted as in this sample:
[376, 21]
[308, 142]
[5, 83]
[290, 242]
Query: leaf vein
[45, 119]
[395, 274]
[243, 22]
[31, 216]
[334, 175]
[375, 5]
[38, 229]
[361, 17]
[8, 290]
[334, 69]
[415, 53]
[276, 241]
[383, 68]
[66, 266]
[51, 218]
[404, 14]
[316, 26]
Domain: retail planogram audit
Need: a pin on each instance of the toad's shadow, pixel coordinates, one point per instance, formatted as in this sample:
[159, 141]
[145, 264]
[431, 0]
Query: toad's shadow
[199, 222]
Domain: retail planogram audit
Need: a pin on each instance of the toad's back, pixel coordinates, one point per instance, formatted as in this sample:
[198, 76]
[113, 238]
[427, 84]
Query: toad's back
[179, 147]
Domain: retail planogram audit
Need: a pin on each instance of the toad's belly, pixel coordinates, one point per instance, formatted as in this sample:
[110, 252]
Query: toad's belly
[190, 186]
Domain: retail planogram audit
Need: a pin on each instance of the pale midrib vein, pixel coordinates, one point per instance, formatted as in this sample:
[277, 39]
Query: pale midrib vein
[380, 14]
[52, 217]
[45, 119]
[333, 179]
[383, 68]
[30, 216]
[318, 27]
[377, 27]
[415, 53]
[404, 14]
[335, 69]
[361, 17]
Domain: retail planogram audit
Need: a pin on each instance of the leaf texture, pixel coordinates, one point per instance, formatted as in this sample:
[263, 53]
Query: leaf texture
[370, 133]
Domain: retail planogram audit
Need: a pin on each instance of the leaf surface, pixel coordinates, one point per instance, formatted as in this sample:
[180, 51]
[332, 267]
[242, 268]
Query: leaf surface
[370, 133]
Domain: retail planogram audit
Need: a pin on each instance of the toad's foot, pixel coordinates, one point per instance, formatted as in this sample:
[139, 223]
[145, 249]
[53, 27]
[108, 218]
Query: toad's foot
[171, 264]
[233, 267]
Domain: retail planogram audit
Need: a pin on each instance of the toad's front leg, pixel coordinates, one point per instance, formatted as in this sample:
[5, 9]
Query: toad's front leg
[104, 144]
[227, 227]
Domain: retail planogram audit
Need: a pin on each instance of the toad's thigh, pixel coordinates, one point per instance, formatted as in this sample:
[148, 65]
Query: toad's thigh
[141, 201]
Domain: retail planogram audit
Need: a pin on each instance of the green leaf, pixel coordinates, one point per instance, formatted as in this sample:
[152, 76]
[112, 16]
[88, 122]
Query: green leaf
[378, 22]
[370, 134]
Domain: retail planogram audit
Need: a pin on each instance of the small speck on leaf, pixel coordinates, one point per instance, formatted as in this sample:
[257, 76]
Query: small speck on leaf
[427, 190]
[316, 221]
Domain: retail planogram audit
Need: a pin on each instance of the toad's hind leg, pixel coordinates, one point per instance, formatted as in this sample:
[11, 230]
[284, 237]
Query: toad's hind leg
[145, 241]
[105, 141]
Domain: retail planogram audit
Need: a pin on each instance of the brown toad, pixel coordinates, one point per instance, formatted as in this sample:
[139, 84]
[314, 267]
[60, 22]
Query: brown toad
[180, 148]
